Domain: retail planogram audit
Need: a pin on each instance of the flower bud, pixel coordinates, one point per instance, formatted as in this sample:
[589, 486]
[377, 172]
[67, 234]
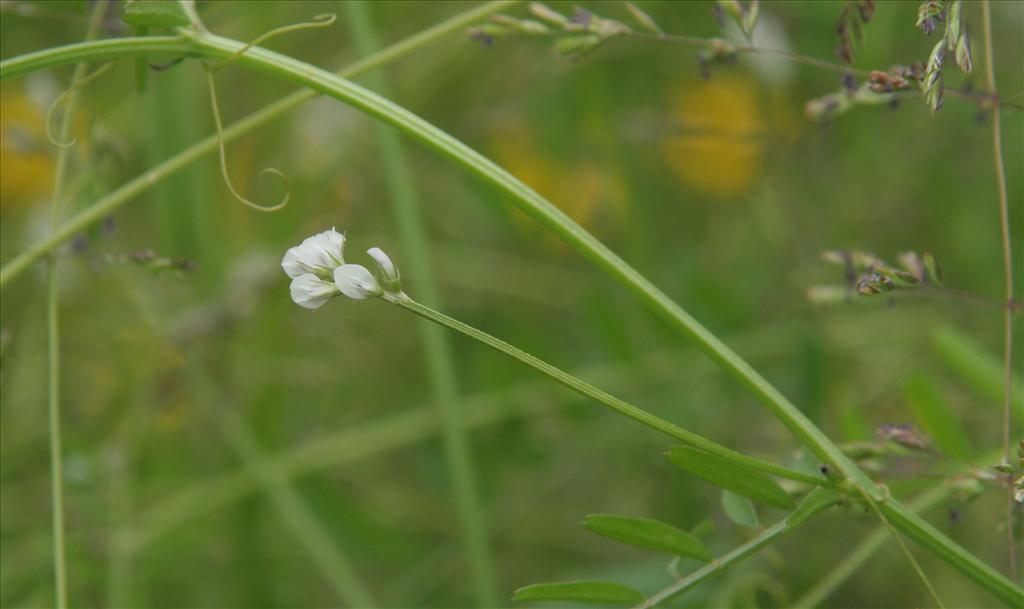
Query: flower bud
[388, 273]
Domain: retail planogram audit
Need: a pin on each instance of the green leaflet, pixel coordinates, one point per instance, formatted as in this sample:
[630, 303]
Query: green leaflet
[730, 476]
[594, 592]
[647, 533]
[155, 13]
[740, 510]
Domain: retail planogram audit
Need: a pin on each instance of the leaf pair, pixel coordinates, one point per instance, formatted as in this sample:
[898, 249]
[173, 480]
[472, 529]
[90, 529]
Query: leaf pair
[639, 532]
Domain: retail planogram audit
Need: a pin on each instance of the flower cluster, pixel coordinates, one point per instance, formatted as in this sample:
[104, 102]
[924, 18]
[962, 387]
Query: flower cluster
[319, 272]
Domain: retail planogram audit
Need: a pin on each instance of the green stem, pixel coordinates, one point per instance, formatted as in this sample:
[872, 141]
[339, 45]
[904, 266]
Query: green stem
[586, 389]
[835, 576]
[1004, 233]
[763, 539]
[56, 469]
[438, 353]
[135, 187]
[53, 330]
[895, 513]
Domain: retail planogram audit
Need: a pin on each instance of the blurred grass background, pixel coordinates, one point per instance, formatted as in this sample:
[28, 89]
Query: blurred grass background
[720, 191]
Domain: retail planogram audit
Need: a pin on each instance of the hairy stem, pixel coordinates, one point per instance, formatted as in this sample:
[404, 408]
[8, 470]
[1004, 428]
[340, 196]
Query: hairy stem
[437, 349]
[1004, 225]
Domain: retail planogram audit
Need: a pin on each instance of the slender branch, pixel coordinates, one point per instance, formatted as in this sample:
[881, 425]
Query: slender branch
[695, 41]
[440, 361]
[750, 48]
[835, 576]
[53, 325]
[135, 187]
[1004, 225]
[763, 539]
[588, 390]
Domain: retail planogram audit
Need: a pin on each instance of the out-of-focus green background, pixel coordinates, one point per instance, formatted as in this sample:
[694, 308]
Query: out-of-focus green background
[720, 191]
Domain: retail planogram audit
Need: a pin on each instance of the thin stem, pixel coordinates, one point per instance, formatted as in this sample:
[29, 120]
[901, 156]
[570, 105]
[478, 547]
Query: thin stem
[855, 559]
[1004, 225]
[906, 551]
[135, 187]
[977, 98]
[763, 539]
[644, 417]
[437, 349]
[56, 469]
[749, 48]
[588, 390]
[215, 108]
[53, 327]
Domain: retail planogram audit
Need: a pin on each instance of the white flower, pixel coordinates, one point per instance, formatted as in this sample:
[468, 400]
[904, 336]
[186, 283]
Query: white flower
[311, 292]
[319, 255]
[388, 273]
[356, 282]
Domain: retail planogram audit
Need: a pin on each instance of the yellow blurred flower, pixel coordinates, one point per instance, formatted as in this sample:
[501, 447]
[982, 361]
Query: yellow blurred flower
[588, 193]
[25, 154]
[716, 142]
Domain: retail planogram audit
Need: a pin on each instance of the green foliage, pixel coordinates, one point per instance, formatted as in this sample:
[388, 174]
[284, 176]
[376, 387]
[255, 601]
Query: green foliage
[647, 533]
[740, 510]
[730, 476]
[154, 13]
[592, 592]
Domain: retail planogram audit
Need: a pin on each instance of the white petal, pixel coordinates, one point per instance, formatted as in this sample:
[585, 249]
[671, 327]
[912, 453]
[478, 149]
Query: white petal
[387, 268]
[311, 292]
[325, 249]
[319, 254]
[292, 263]
[356, 282]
